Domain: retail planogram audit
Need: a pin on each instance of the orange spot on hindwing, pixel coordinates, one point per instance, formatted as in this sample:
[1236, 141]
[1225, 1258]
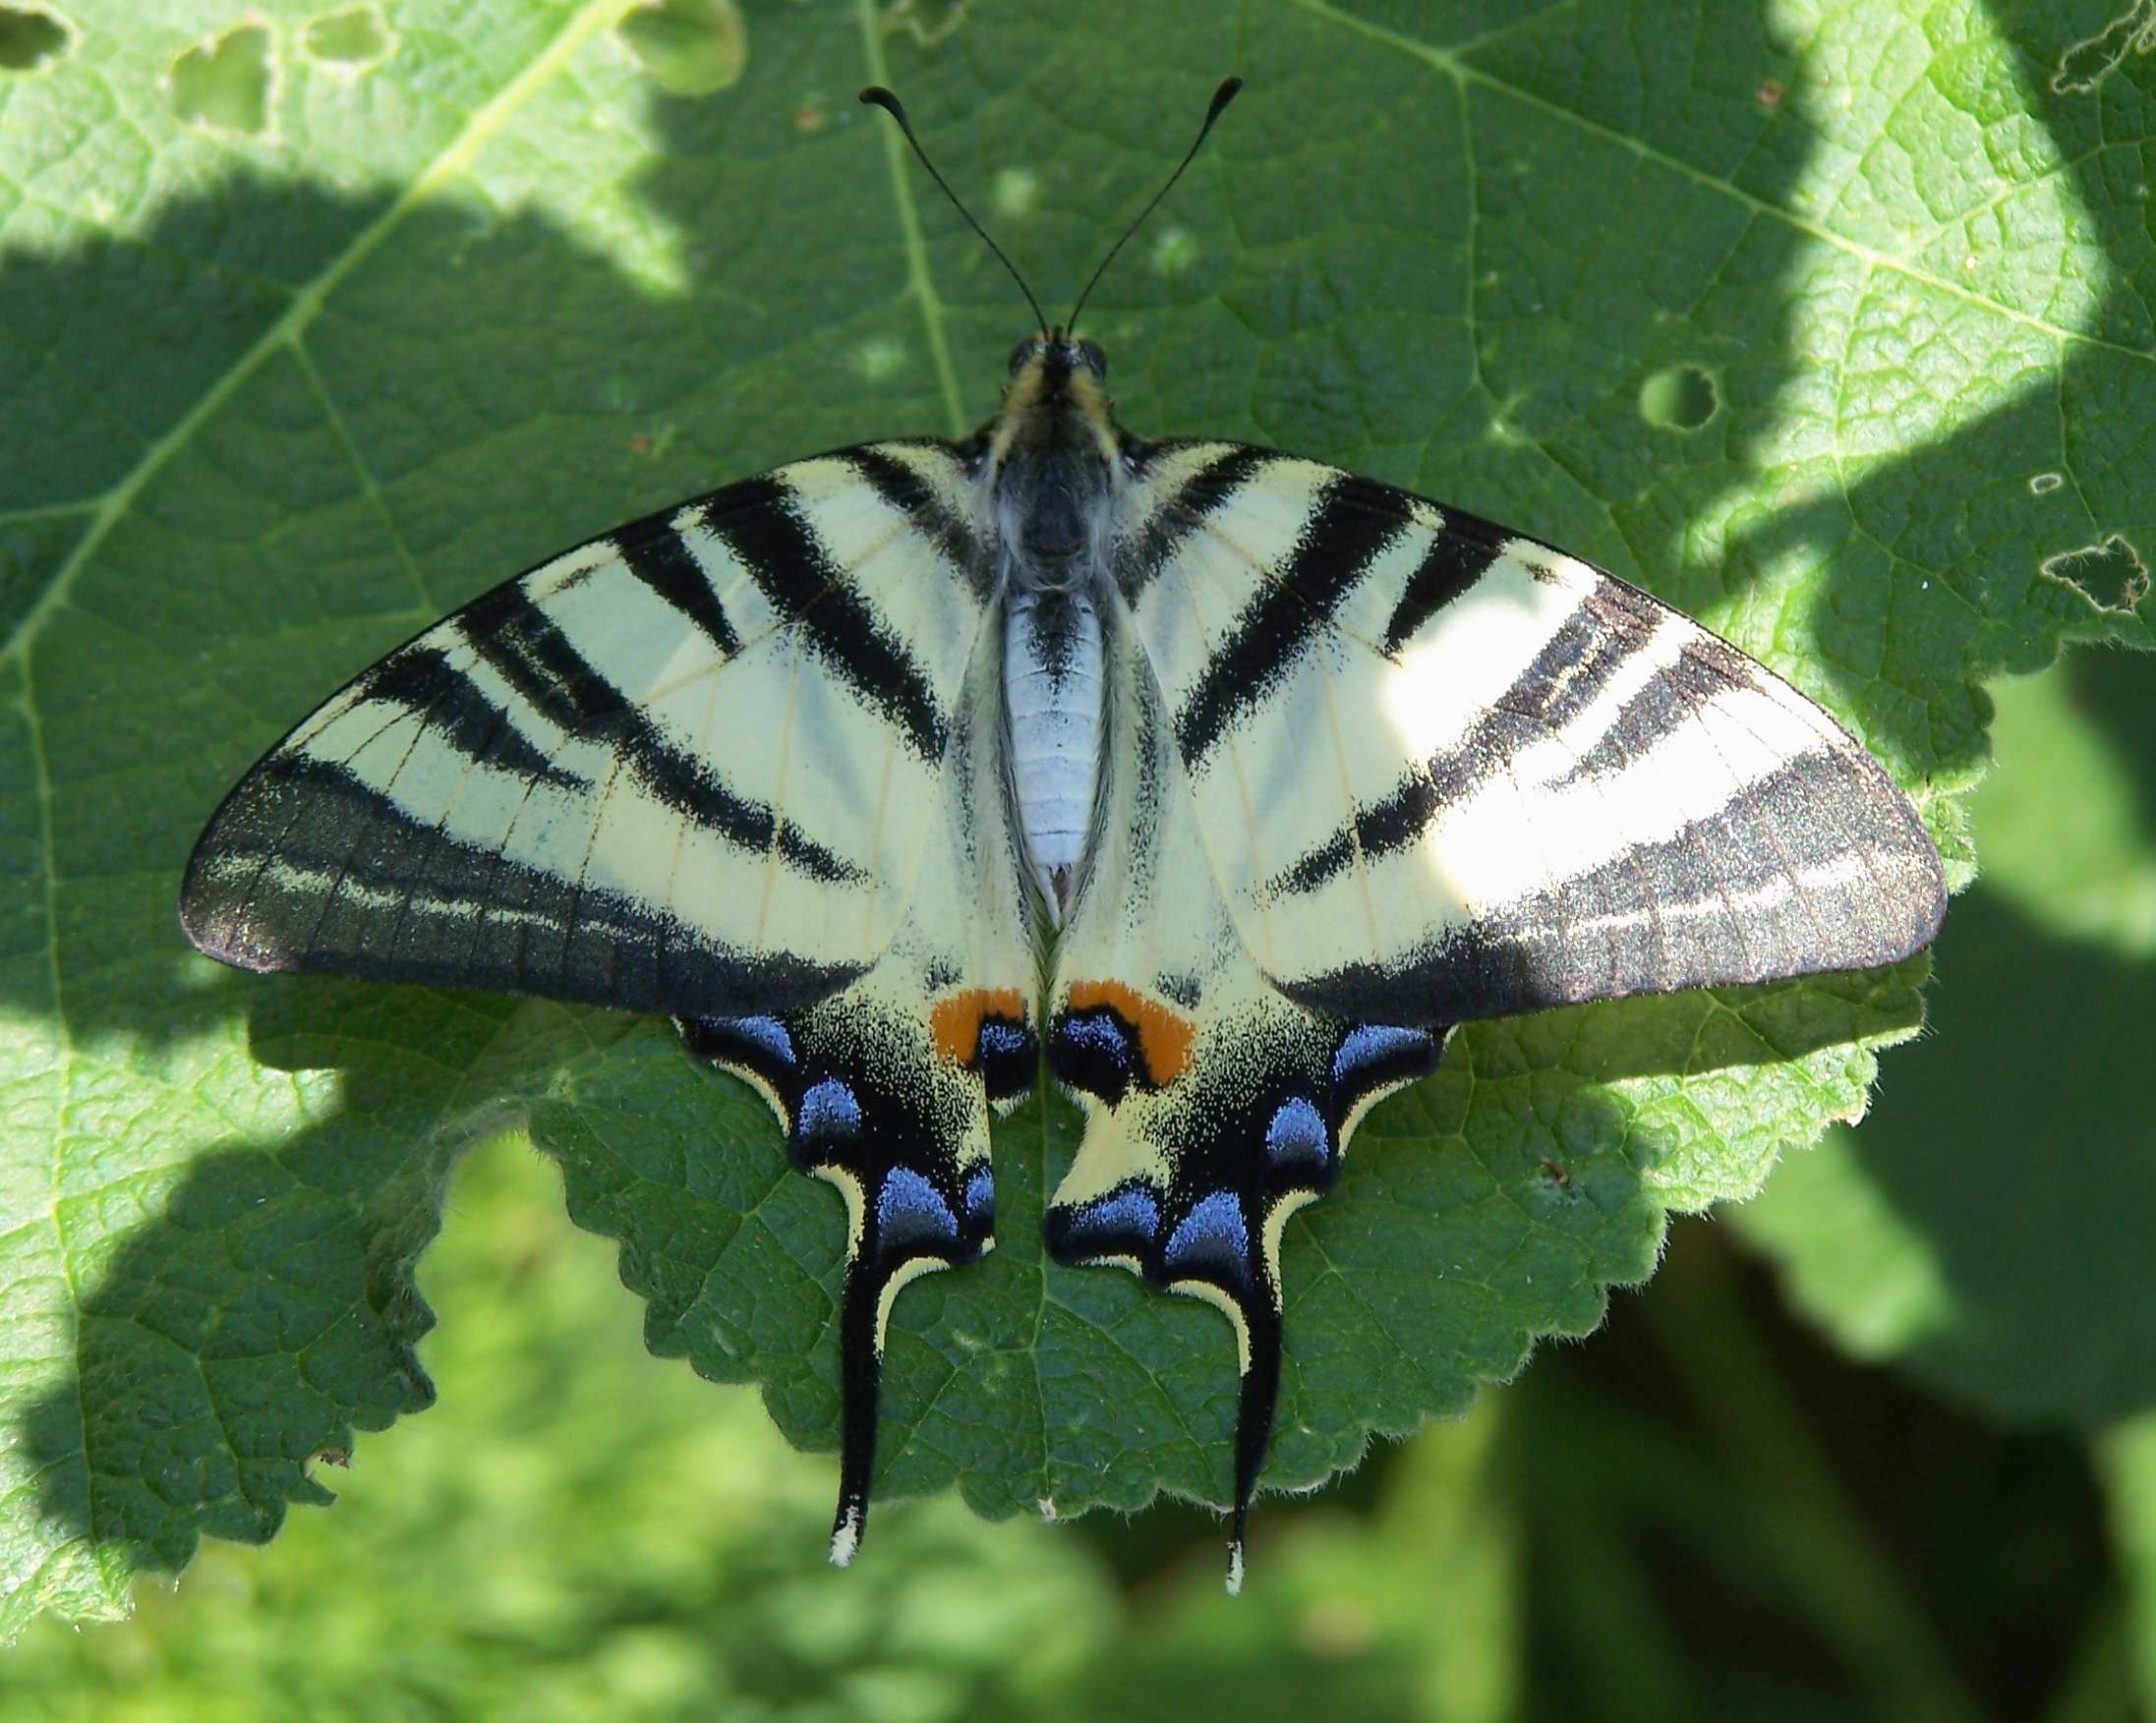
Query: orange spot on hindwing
[984, 1030]
[1164, 1034]
[955, 1021]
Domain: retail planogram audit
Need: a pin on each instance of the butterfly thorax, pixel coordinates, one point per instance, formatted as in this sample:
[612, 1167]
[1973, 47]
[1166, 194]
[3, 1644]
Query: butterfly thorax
[1051, 478]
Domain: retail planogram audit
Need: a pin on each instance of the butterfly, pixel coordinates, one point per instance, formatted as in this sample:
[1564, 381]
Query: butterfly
[1222, 782]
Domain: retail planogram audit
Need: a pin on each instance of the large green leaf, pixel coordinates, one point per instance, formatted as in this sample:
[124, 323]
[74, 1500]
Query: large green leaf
[477, 287]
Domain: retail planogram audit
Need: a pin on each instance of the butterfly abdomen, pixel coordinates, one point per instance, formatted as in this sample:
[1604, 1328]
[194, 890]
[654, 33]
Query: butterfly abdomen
[1054, 703]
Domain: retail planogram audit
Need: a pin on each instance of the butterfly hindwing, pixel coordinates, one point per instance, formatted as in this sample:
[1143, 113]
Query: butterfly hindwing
[884, 1088]
[1215, 1104]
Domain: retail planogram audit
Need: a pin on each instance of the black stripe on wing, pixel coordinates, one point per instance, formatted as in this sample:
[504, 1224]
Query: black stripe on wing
[304, 868]
[1561, 682]
[1208, 491]
[655, 553]
[530, 653]
[1670, 700]
[1354, 522]
[790, 565]
[1460, 555]
[906, 492]
[527, 650]
[460, 715]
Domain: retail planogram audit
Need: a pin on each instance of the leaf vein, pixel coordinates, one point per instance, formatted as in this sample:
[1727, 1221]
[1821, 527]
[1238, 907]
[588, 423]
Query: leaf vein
[1447, 61]
[306, 303]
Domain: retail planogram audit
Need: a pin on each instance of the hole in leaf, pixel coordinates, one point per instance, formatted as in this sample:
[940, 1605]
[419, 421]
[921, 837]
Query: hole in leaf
[2110, 575]
[224, 86]
[355, 39]
[930, 21]
[690, 47]
[29, 38]
[2086, 64]
[1678, 397]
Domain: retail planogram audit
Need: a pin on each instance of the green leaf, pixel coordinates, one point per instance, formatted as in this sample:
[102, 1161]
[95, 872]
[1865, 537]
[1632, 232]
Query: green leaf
[1986, 1227]
[274, 398]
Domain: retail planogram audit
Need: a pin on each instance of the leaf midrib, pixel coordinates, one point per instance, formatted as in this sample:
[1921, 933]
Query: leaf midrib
[485, 121]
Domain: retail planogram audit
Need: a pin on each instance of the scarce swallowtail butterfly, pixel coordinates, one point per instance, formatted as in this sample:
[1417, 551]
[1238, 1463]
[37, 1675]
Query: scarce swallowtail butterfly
[1224, 781]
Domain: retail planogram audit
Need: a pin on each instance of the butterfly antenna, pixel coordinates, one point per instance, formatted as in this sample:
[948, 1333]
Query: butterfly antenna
[875, 96]
[1221, 98]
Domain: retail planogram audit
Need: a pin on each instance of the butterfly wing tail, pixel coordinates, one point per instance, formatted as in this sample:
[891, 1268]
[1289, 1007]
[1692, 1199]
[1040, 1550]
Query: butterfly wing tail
[898, 1120]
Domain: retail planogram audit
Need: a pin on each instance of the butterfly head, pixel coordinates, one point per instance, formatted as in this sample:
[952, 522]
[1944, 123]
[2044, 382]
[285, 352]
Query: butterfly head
[1055, 371]
[1057, 351]
[1051, 453]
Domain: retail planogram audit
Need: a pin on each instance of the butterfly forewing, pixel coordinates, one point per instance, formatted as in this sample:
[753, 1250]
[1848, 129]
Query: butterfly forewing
[1444, 772]
[690, 765]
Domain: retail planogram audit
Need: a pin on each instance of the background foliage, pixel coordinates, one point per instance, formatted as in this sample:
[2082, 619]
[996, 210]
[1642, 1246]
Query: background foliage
[1830, 323]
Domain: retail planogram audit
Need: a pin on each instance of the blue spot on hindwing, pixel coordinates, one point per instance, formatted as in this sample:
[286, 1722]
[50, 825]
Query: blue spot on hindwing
[1124, 1222]
[828, 1111]
[1296, 1136]
[1092, 1051]
[766, 1034]
[1367, 1048]
[910, 1213]
[1005, 1055]
[1097, 1034]
[980, 1200]
[1127, 1214]
[1212, 1238]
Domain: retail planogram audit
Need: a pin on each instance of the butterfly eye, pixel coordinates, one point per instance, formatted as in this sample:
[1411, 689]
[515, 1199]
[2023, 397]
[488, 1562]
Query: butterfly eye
[1021, 353]
[1094, 358]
